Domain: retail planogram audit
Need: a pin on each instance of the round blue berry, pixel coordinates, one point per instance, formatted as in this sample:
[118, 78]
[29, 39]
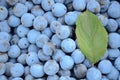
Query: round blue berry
[37, 10]
[68, 45]
[14, 51]
[42, 56]
[23, 43]
[32, 58]
[36, 70]
[41, 40]
[79, 4]
[3, 58]
[93, 74]
[32, 35]
[40, 23]
[114, 9]
[59, 9]
[22, 31]
[13, 21]
[78, 56]
[105, 66]
[58, 53]
[63, 31]
[113, 40]
[93, 6]
[17, 70]
[51, 67]
[50, 17]
[27, 19]
[66, 62]
[20, 9]
[47, 4]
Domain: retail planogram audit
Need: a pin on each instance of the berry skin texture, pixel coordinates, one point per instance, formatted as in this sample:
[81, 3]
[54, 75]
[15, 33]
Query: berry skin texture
[114, 74]
[27, 19]
[103, 19]
[17, 78]
[59, 9]
[104, 78]
[87, 63]
[114, 10]
[56, 40]
[32, 48]
[4, 27]
[93, 6]
[13, 21]
[41, 40]
[2, 68]
[40, 23]
[68, 45]
[78, 56]
[54, 25]
[63, 31]
[29, 5]
[51, 67]
[53, 77]
[36, 70]
[22, 58]
[36, 1]
[117, 63]
[113, 53]
[32, 58]
[70, 17]
[64, 73]
[58, 53]
[22, 31]
[27, 70]
[37, 11]
[42, 56]
[79, 5]
[32, 35]
[4, 45]
[59, 1]
[3, 58]
[104, 4]
[29, 77]
[17, 70]
[48, 48]
[112, 25]
[3, 77]
[14, 51]
[5, 36]
[48, 32]
[23, 43]
[47, 4]
[80, 70]
[113, 40]
[3, 13]
[93, 74]
[19, 9]
[50, 17]
[105, 66]
[66, 62]
[66, 78]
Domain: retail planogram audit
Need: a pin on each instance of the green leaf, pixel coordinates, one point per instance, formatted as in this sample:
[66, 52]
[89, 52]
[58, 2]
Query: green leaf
[91, 36]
